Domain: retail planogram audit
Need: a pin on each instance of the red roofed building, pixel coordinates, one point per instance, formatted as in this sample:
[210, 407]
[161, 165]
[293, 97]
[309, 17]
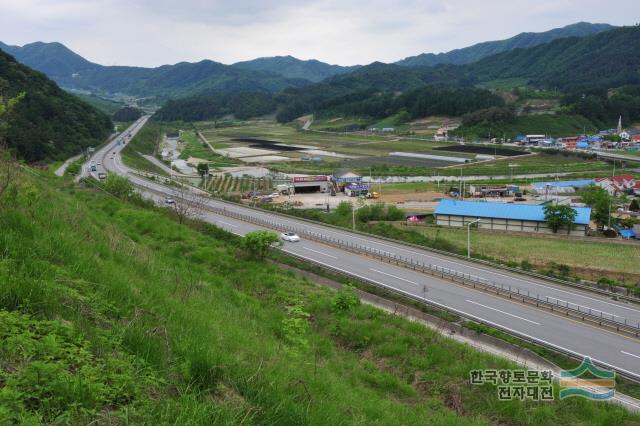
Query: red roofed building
[570, 142]
[616, 184]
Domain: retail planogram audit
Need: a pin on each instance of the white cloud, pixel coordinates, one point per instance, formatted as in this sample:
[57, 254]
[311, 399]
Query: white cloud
[154, 32]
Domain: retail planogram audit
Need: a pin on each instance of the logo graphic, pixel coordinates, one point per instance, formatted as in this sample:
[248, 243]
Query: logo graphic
[599, 384]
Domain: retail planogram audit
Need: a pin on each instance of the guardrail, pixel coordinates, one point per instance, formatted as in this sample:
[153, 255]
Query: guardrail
[417, 298]
[592, 287]
[587, 315]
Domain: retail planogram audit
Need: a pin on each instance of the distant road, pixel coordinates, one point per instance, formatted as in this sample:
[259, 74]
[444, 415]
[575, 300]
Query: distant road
[63, 168]
[618, 156]
[567, 335]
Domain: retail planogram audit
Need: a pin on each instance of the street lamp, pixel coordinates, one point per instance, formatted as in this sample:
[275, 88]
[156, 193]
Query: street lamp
[469, 236]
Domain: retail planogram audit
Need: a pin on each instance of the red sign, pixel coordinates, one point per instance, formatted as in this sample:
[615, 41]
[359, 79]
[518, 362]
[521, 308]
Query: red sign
[310, 179]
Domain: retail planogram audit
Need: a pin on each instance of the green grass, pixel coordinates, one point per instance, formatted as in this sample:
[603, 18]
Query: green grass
[192, 146]
[553, 125]
[602, 256]
[105, 105]
[505, 83]
[144, 142]
[114, 313]
[540, 163]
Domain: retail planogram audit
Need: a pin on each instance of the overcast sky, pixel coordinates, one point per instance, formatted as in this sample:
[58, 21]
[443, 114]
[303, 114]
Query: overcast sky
[345, 32]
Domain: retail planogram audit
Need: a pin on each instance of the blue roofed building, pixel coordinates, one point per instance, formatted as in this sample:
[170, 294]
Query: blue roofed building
[561, 186]
[505, 217]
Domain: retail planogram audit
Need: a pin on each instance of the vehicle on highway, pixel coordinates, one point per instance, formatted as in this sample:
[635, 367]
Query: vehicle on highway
[292, 237]
[102, 175]
[169, 200]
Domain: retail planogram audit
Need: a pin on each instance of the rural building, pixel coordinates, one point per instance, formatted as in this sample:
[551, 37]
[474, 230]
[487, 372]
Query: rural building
[356, 189]
[493, 191]
[535, 139]
[310, 184]
[504, 217]
[343, 177]
[561, 186]
[570, 142]
[617, 184]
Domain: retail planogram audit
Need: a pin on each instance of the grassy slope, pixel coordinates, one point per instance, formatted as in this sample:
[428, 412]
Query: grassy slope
[105, 105]
[145, 142]
[116, 313]
[194, 147]
[553, 125]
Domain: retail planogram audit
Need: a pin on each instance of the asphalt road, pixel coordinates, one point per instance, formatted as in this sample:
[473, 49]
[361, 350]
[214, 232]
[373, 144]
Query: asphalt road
[604, 347]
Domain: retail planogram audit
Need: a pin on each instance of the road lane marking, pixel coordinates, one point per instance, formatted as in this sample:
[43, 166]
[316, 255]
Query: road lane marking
[328, 232]
[503, 312]
[482, 320]
[319, 252]
[630, 354]
[393, 276]
[585, 307]
[488, 271]
[227, 223]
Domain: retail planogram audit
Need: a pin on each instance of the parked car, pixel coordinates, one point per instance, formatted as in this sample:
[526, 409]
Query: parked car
[102, 175]
[292, 237]
[274, 195]
[519, 199]
[169, 200]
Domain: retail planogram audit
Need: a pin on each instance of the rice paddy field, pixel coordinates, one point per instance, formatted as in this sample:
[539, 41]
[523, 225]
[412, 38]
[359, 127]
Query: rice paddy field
[316, 152]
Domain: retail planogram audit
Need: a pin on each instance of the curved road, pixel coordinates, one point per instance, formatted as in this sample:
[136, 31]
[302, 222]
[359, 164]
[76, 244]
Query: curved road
[581, 339]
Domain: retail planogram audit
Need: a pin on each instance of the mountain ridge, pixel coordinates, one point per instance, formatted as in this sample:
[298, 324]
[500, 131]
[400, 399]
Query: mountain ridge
[47, 123]
[266, 74]
[482, 50]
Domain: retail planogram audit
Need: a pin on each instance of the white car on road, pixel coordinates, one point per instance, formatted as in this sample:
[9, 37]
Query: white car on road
[290, 236]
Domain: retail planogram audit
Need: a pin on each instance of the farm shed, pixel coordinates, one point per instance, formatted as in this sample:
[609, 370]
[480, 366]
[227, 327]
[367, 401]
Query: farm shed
[504, 217]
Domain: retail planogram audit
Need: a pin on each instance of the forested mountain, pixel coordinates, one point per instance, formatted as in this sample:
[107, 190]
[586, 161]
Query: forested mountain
[72, 71]
[241, 105]
[291, 67]
[53, 59]
[47, 123]
[589, 65]
[608, 59]
[523, 40]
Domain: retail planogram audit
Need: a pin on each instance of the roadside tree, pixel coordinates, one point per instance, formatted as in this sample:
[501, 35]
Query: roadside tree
[203, 169]
[600, 202]
[187, 203]
[258, 243]
[559, 216]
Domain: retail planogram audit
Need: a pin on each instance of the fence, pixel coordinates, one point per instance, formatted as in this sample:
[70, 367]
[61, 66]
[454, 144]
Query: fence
[568, 309]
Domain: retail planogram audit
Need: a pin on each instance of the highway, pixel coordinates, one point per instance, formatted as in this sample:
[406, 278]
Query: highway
[567, 335]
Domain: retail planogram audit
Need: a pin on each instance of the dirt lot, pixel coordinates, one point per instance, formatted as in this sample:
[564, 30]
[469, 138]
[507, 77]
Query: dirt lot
[315, 200]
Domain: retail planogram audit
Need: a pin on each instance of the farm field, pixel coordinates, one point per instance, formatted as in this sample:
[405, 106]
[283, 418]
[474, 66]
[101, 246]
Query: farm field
[539, 163]
[595, 259]
[370, 154]
[192, 146]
